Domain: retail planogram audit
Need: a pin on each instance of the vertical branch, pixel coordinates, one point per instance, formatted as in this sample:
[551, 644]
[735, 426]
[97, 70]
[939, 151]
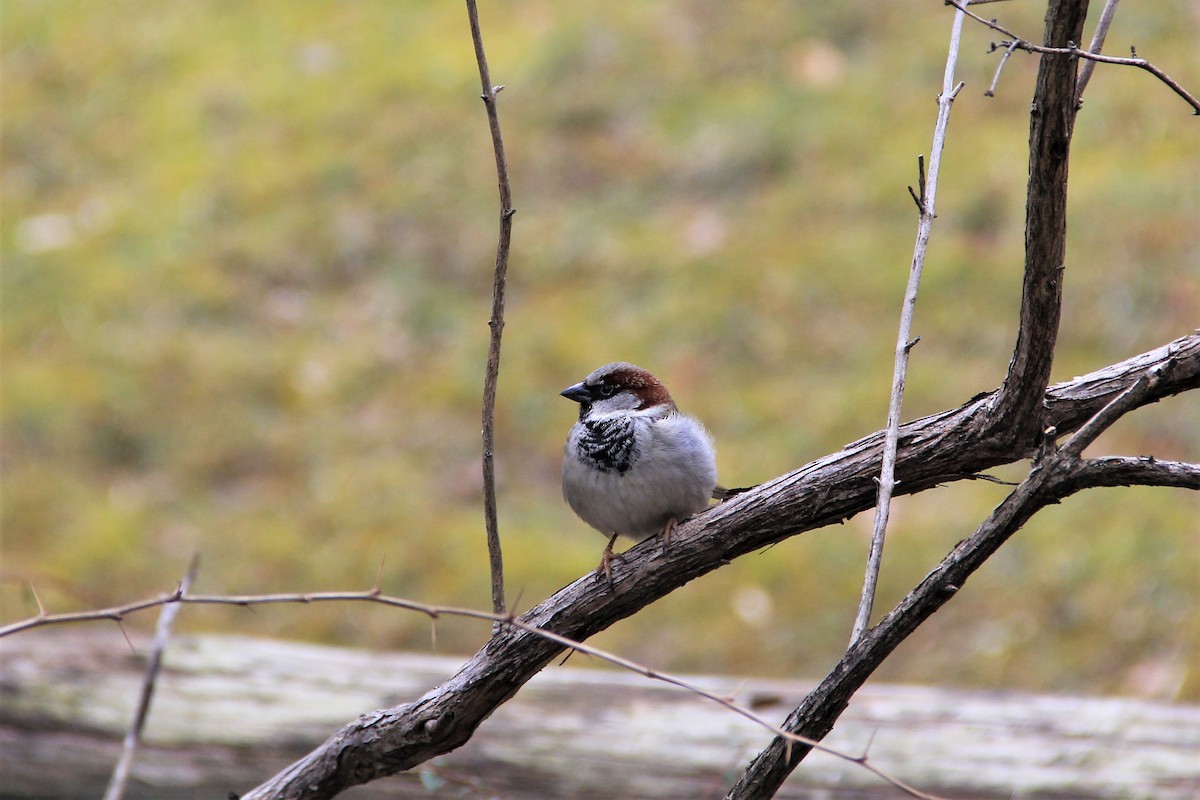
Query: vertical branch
[496, 322]
[904, 342]
[1018, 406]
[1085, 72]
[1016, 414]
[162, 634]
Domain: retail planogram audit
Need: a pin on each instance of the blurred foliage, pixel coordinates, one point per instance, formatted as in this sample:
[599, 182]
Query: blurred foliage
[247, 268]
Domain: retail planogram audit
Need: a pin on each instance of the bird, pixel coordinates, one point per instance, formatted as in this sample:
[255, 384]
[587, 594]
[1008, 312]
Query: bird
[633, 464]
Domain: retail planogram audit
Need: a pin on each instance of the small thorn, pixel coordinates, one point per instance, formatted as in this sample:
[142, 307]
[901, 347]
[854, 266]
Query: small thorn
[37, 599]
[917, 200]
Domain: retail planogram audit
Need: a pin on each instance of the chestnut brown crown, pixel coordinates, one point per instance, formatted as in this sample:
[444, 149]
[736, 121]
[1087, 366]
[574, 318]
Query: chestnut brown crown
[617, 379]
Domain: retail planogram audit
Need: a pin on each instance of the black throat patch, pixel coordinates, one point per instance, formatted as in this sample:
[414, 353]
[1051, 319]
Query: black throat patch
[609, 443]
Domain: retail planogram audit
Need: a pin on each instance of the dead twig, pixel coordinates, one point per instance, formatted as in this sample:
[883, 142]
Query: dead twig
[1017, 43]
[496, 322]
[162, 634]
[904, 340]
[1101, 32]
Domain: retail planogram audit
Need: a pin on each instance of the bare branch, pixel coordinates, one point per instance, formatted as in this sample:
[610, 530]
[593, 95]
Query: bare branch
[904, 344]
[1141, 471]
[1060, 475]
[166, 619]
[1089, 65]
[1008, 51]
[496, 323]
[170, 604]
[1052, 122]
[1018, 43]
[933, 450]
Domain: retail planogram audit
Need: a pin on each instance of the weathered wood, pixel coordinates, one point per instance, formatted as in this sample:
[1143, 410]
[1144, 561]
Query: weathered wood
[230, 710]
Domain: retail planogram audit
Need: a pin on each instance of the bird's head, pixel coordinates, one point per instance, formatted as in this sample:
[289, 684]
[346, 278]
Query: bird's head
[618, 387]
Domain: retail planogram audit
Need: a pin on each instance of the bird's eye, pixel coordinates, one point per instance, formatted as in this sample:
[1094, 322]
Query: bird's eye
[607, 389]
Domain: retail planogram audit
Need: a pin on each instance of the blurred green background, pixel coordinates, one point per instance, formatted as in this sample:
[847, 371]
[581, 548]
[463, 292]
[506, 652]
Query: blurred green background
[247, 269]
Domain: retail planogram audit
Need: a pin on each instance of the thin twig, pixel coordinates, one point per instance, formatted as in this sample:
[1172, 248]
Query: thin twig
[1008, 51]
[1018, 43]
[496, 322]
[162, 634]
[887, 471]
[1102, 26]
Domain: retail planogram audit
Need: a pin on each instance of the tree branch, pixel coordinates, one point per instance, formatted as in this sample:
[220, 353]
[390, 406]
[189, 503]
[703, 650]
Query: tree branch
[496, 322]
[1017, 43]
[133, 738]
[904, 340]
[1098, 37]
[933, 450]
[1056, 476]
[1052, 120]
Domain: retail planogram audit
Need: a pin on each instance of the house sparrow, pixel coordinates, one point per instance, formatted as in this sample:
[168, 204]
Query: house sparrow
[633, 465]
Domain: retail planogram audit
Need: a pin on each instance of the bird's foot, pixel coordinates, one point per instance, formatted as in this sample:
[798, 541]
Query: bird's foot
[667, 530]
[606, 560]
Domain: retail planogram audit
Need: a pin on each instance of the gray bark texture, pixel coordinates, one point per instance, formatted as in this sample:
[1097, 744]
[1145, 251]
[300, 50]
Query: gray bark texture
[230, 709]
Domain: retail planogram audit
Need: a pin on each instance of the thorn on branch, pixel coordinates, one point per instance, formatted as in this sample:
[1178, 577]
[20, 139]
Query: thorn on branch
[917, 200]
[37, 599]
[921, 177]
[909, 345]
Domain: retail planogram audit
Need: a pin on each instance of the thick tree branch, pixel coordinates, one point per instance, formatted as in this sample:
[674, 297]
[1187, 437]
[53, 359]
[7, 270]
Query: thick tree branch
[933, 450]
[1057, 477]
[991, 429]
[1052, 120]
[1056, 474]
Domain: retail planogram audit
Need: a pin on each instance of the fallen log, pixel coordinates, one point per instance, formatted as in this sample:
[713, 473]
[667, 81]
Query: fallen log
[230, 711]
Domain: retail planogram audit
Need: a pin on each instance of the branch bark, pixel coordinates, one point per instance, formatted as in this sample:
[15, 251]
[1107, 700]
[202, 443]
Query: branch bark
[1052, 120]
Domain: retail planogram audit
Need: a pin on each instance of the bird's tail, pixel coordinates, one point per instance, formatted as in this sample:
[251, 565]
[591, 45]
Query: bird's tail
[723, 494]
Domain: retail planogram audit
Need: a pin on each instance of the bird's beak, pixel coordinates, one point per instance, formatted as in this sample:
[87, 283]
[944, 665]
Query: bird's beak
[579, 393]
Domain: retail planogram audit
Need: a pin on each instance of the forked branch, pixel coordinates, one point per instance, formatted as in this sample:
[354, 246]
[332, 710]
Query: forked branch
[1015, 42]
[939, 449]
